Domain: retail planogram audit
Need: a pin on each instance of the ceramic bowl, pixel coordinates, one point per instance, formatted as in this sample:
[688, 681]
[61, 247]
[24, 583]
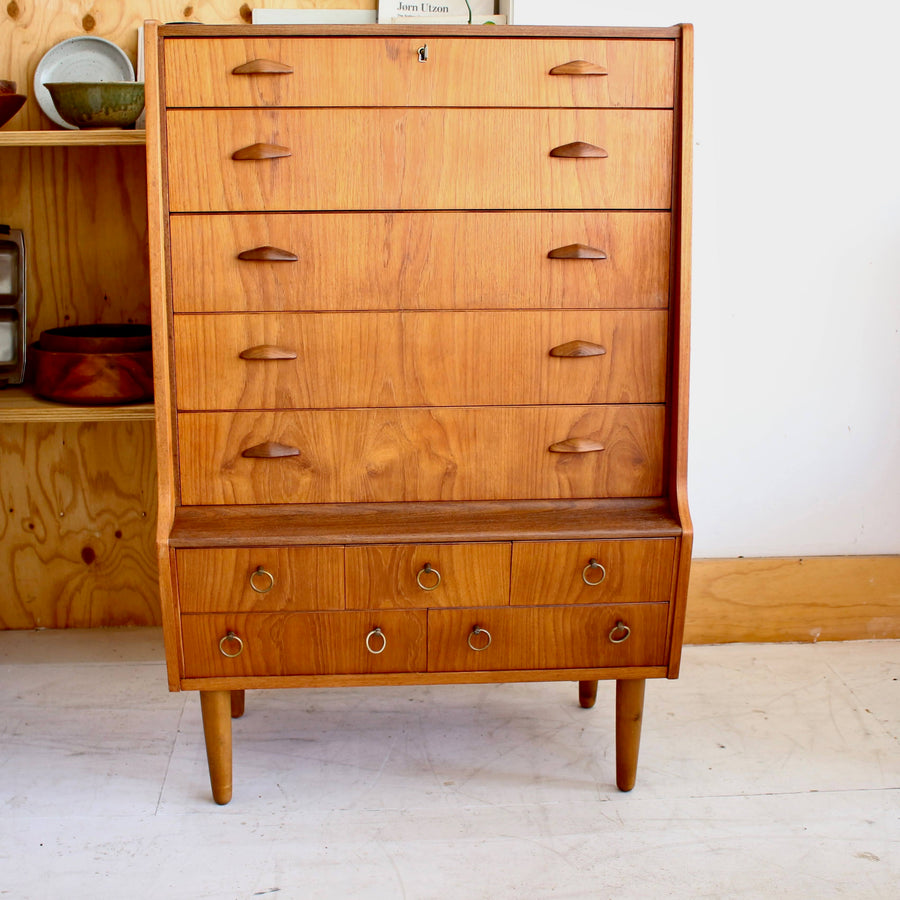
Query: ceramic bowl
[99, 104]
[10, 101]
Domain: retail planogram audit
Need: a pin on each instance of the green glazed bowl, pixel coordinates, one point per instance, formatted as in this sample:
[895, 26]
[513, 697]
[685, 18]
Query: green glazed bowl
[99, 104]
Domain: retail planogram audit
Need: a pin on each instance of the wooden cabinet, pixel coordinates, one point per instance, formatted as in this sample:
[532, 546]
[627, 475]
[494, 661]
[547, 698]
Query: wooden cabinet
[422, 418]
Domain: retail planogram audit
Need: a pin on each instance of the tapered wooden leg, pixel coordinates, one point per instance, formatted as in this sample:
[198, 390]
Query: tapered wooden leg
[237, 704]
[629, 712]
[587, 693]
[216, 709]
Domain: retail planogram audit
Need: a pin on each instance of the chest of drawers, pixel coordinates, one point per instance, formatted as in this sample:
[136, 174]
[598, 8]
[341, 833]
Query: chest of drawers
[421, 332]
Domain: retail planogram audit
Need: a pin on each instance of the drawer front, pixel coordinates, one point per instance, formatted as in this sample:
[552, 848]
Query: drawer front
[566, 572]
[304, 643]
[242, 580]
[427, 575]
[376, 71]
[327, 360]
[563, 637]
[375, 159]
[456, 453]
[357, 261]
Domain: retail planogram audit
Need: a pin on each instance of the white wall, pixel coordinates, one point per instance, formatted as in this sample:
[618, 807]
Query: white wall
[795, 378]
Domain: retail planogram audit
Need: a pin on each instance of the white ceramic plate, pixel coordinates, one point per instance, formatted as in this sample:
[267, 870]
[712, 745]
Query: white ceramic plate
[79, 59]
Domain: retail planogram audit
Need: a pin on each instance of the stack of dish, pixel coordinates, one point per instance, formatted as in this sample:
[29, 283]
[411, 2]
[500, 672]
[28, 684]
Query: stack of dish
[88, 82]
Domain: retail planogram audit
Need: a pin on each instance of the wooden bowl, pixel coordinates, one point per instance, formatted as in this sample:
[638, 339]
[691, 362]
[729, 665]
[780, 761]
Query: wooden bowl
[10, 104]
[93, 379]
[98, 104]
[96, 338]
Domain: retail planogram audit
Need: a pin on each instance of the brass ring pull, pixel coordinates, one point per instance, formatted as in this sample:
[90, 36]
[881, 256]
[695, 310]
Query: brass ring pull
[476, 631]
[231, 636]
[375, 632]
[621, 628]
[593, 564]
[427, 570]
[262, 573]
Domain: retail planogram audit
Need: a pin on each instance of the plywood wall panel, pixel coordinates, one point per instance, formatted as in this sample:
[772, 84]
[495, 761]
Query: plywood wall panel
[77, 525]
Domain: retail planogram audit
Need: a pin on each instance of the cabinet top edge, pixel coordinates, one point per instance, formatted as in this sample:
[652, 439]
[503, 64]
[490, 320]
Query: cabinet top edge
[470, 31]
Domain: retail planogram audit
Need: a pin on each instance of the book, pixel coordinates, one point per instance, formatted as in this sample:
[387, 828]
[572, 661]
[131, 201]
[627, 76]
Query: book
[400, 10]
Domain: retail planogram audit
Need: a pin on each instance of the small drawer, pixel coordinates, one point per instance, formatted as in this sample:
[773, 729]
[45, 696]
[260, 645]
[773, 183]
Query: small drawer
[340, 643]
[252, 160]
[335, 360]
[427, 575]
[357, 261]
[242, 580]
[386, 71]
[614, 571]
[450, 453]
[562, 637]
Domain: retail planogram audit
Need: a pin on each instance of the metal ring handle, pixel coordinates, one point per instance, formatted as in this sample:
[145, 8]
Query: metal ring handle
[427, 570]
[231, 636]
[477, 630]
[370, 635]
[593, 564]
[266, 574]
[620, 626]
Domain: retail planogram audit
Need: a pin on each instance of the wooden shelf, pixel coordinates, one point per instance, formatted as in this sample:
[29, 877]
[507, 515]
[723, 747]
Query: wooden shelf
[94, 137]
[19, 404]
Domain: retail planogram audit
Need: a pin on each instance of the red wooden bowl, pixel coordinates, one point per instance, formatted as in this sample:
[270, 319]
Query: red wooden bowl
[96, 338]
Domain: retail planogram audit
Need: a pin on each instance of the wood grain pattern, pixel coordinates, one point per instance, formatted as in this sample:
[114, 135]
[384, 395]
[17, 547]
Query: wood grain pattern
[838, 598]
[384, 577]
[305, 643]
[546, 638]
[418, 359]
[84, 213]
[76, 525]
[455, 453]
[399, 261]
[636, 571]
[373, 523]
[302, 578]
[385, 71]
[476, 159]
[20, 404]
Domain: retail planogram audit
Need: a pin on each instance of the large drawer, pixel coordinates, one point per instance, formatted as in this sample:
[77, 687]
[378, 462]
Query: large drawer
[385, 71]
[354, 261]
[242, 580]
[337, 643]
[568, 572]
[561, 637]
[327, 360]
[371, 159]
[398, 576]
[451, 453]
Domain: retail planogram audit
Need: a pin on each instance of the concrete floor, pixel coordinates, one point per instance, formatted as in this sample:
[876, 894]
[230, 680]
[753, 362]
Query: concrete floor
[766, 771]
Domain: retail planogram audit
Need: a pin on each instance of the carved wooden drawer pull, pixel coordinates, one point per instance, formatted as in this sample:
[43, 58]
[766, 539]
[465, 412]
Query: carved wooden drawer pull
[579, 67]
[261, 151]
[574, 349]
[576, 251]
[263, 67]
[267, 254]
[268, 351]
[270, 450]
[576, 445]
[579, 150]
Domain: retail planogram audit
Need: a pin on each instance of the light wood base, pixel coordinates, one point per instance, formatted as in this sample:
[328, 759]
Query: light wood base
[809, 599]
[629, 715]
[216, 709]
[237, 704]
